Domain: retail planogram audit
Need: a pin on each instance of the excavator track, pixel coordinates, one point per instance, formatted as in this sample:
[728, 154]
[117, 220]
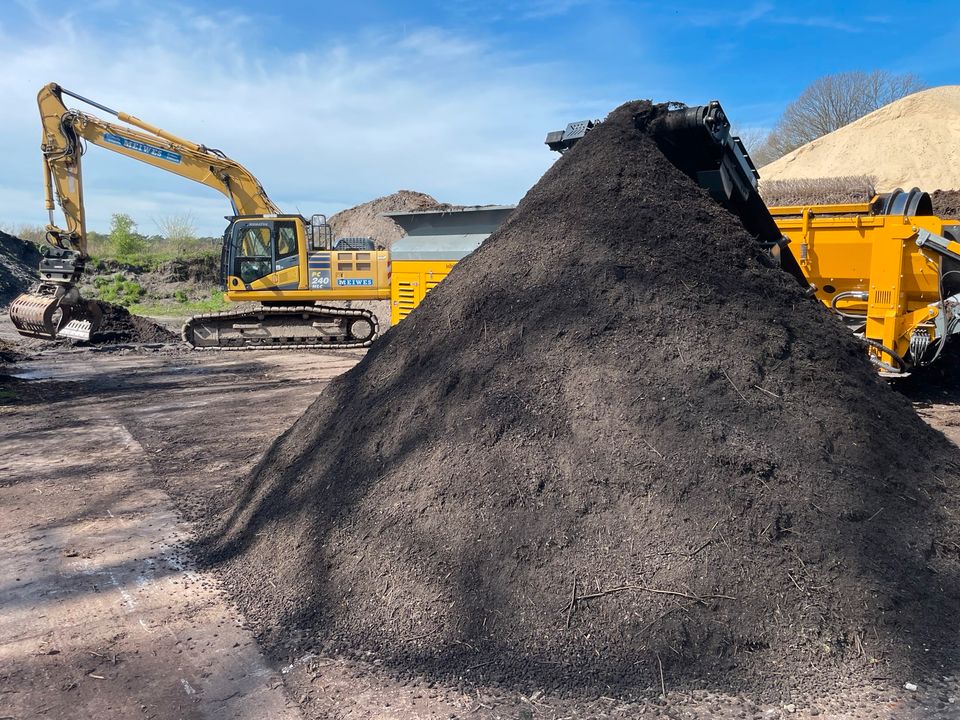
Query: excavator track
[308, 326]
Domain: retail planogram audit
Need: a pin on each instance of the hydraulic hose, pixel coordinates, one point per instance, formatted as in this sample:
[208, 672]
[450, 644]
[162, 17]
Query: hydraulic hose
[892, 353]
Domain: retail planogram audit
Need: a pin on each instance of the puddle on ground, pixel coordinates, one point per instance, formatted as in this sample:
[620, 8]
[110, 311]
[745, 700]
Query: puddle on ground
[38, 374]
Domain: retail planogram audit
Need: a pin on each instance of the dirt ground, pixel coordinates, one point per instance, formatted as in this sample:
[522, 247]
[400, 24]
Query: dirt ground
[108, 457]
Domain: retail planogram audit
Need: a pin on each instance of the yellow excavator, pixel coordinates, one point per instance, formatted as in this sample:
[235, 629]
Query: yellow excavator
[287, 264]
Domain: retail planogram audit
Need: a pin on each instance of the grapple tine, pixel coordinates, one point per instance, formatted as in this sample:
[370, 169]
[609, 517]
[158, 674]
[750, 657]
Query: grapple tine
[81, 321]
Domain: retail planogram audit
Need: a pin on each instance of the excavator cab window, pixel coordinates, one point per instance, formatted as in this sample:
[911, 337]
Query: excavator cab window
[286, 232]
[254, 254]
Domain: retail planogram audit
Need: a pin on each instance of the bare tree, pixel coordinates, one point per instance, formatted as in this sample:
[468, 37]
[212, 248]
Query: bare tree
[180, 230]
[832, 101]
[755, 140]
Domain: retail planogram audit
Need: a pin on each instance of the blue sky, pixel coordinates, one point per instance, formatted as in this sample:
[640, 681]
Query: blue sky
[332, 104]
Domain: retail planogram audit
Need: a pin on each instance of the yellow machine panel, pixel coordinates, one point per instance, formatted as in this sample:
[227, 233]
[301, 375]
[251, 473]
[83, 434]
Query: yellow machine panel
[893, 278]
[436, 240]
[411, 281]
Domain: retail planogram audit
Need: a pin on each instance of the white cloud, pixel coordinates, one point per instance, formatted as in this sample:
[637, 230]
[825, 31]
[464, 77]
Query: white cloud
[323, 126]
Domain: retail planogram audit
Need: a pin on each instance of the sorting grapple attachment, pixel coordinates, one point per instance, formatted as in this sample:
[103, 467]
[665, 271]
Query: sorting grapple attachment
[49, 313]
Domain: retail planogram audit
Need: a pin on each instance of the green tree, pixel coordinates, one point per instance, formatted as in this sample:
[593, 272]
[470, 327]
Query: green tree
[124, 239]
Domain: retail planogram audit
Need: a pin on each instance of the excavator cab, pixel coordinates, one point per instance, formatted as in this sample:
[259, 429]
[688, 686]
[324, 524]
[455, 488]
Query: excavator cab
[261, 253]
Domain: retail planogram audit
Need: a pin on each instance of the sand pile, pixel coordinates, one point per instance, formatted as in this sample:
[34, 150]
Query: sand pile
[634, 447]
[914, 141]
[19, 260]
[119, 327]
[365, 220]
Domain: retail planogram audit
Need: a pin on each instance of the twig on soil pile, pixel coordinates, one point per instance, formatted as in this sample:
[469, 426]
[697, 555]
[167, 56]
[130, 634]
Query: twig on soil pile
[695, 552]
[655, 591]
[480, 665]
[663, 685]
[796, 585]
[767, 392]
[733, 384]
[653, 448]
[573, 601]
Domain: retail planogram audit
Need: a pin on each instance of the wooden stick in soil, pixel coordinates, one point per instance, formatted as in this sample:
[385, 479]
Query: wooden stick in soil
[655, 591]
[573, 601]
[663, 685]
[733, 384]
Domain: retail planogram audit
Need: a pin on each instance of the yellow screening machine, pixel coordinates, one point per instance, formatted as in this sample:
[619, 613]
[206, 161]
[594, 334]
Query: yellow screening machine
[435, 241]
[889, 268]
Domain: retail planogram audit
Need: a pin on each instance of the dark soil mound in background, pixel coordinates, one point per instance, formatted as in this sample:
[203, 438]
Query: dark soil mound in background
[946, 203]
[366, 219]
[203, 269]
[609, 442]
[19, 260]
[818, 191]
[119, 327]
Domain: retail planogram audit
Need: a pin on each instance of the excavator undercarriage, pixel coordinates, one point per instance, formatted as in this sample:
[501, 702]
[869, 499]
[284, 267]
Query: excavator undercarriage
[282, 327]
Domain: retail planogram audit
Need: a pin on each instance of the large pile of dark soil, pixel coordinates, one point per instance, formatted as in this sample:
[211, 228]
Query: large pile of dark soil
[609, 442]
[19, 260]
[119, 327]
[946, 203]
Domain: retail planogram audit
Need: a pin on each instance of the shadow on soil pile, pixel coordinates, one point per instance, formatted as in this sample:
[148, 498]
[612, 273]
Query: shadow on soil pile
[610, 440]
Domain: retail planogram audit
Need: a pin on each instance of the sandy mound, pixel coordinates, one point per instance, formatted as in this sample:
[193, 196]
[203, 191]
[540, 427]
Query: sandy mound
[19, 260]
[914, 141]
[365, 220]
[636, 447]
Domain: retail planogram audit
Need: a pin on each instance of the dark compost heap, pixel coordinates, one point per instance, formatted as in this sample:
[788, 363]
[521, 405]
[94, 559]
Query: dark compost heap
[120, 327]
[611, 401]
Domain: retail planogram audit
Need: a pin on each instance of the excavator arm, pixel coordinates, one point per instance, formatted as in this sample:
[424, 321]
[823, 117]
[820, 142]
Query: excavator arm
[55, 308]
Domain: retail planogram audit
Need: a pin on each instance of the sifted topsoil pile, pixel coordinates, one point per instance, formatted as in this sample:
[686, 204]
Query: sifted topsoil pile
[946, 203]
[120, 327]
[609, 442]
[914, 141]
